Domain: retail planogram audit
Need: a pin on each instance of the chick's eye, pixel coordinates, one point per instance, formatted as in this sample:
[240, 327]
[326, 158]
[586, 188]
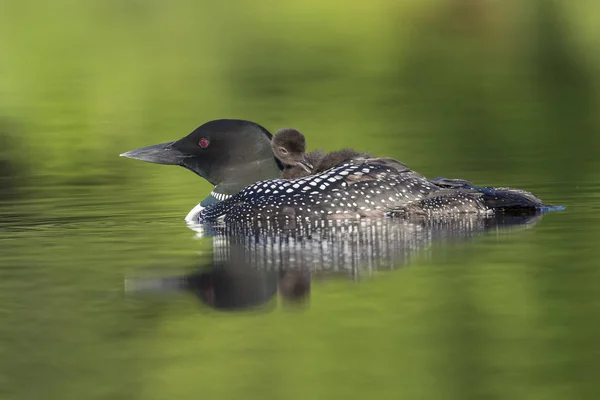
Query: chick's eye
[283, 150]
[203, 142]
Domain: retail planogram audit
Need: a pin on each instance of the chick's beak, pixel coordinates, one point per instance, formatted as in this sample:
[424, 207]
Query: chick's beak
[306, 164]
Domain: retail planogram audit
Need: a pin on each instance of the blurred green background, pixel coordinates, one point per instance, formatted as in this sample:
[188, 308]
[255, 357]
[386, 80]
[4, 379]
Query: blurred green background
[497, 92]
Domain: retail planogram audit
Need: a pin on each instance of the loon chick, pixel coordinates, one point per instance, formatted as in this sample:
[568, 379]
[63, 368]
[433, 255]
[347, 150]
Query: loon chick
[289, 146]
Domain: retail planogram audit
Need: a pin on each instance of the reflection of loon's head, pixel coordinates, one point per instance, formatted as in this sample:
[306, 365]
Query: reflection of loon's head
[226, 290]
[233, 289]
[230, 288]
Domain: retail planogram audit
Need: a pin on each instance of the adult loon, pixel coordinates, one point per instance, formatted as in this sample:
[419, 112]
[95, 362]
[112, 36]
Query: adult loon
[289, 146]
[236, 157]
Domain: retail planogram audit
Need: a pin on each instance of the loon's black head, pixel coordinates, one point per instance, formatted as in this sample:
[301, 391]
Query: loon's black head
[289, 146]
[228, 153]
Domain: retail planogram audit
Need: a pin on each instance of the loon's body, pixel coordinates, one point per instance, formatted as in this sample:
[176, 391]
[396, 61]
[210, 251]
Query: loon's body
[289, 147]
[373, 187]
[236, 156]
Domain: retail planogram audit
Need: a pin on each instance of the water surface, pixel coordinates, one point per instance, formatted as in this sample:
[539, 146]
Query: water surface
[496, 93]
[490, 311]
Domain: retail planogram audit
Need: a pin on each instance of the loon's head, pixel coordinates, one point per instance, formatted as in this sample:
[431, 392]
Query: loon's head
[289, 146]
[228, 153]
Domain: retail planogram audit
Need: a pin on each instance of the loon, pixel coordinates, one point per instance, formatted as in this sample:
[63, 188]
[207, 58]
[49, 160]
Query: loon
[289, 146]
[237, 158]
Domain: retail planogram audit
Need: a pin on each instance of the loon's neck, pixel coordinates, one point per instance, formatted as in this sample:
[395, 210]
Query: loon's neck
[236, 178]
[231, 180]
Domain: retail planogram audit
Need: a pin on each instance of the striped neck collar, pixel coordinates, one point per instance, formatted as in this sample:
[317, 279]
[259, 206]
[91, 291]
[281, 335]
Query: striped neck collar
[220, 196]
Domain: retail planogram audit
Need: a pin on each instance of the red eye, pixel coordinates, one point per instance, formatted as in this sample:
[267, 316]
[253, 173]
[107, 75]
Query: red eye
[204, 142]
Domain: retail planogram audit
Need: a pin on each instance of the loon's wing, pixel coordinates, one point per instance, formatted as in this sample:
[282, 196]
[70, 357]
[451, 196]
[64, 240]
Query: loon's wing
[444, 202]
[481, 200]
[452, 183]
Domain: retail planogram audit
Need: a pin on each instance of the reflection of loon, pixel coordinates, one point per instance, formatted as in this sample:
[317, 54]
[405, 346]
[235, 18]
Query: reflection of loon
[347, 246]
[251, 263]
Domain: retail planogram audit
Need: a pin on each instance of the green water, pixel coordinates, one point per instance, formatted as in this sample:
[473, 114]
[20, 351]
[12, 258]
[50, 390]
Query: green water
[502, 94]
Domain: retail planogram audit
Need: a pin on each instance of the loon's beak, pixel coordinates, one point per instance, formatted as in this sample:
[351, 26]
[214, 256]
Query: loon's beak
[306, 165]
[163, 153]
